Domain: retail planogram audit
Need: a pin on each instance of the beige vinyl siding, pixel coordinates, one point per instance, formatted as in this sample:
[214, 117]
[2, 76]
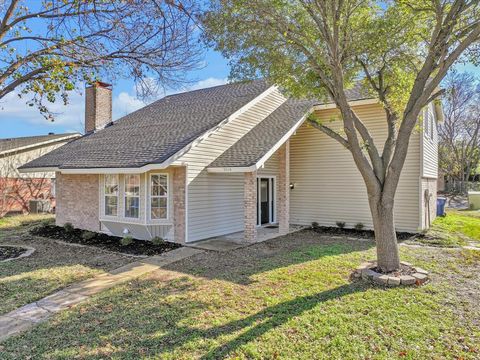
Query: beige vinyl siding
[328, 186]
[215, 205]
[270, 167]
[215, 201]
[430, 144]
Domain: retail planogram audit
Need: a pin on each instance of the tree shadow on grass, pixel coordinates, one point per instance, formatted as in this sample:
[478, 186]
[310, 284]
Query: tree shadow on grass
[253, 326]
[273, 317]
[240, 265]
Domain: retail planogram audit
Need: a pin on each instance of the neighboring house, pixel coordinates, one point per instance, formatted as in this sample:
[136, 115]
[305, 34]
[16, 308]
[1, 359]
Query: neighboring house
[227, 159]
[16, 190]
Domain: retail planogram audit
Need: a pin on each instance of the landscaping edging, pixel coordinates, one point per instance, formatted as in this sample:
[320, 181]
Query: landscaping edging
[408, 277]
[29, 251]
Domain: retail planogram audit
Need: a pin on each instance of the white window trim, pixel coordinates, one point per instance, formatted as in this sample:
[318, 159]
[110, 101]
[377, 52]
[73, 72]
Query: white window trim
[149, 198]
[105, 195]
[133, 196]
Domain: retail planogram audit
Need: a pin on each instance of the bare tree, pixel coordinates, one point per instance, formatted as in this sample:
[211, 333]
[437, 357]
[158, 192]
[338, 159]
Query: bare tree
[48, 48]
[459, 148]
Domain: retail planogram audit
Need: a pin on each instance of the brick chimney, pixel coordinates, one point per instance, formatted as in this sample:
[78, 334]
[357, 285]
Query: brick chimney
[98, 106]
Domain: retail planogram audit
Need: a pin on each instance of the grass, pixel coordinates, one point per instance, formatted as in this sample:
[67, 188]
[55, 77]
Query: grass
[51, 267]
[457, 228]
[288, 298]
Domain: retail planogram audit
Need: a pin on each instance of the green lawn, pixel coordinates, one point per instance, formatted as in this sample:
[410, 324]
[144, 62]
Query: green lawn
[457, 228]
[288, 298]
[51, 267]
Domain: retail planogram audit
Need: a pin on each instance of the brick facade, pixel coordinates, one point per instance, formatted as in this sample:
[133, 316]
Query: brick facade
[78, 201]
[98, 107]
[179, 200]
[16, 193]
[283, 192]
[250, 206]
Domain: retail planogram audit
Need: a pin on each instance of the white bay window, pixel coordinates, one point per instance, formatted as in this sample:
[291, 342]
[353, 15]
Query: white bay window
[111, 195]
[132, 196]
[158, 196]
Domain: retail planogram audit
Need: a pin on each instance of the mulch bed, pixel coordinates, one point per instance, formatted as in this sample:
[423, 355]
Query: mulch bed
[404, 270]
[363, 234]
[8, 252]
[103, 241]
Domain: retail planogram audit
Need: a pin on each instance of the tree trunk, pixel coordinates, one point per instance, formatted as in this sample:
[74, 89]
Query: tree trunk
[388, 258]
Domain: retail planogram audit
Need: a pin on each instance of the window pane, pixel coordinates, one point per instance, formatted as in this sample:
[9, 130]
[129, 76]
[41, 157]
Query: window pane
[132, 185]
[158, 208]
[111, 185]
[159, 185]
[131, 207]
[111, 205]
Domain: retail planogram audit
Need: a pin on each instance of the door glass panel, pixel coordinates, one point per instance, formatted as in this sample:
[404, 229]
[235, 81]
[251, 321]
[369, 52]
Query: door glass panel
[264, 190]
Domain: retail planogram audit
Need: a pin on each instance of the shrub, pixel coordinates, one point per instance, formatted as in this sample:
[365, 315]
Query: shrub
[88, 235]
[157, 240]
[315, 225]
[359, 226]
[68, 227]
[43, 225]
[340, 224]
[47, 222]
[126, 240]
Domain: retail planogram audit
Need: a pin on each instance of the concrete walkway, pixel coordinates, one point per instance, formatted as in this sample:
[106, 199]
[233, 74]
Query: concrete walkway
[27, 316]
[236, 240]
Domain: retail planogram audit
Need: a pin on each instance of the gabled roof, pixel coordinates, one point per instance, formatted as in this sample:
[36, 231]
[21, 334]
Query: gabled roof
[253, 149]
[261, 140]
[23, 143]
[156, 132]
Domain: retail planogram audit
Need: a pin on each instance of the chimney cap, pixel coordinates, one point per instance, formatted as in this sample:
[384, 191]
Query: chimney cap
[99, 84]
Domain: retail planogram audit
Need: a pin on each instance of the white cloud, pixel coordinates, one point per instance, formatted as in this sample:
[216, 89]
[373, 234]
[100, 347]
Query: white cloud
[70, 117]
[209, 82]
[124, 104]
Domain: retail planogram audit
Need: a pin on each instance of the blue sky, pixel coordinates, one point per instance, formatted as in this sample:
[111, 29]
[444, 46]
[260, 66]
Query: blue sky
[18, 119]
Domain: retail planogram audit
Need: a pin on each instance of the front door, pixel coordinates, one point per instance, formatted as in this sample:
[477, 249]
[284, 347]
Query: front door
[265, 208]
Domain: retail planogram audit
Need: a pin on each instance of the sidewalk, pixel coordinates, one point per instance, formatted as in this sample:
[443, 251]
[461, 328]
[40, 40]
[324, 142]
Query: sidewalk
[28, 315]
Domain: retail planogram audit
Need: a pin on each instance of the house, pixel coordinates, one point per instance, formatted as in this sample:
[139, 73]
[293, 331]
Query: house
[227, 159]
[17, 190]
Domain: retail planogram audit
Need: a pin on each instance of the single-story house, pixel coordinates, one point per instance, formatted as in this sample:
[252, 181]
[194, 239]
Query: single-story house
[18, 189]
[228, 159]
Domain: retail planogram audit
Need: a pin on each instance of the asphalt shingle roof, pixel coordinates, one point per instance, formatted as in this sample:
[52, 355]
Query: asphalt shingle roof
[154, 133]
[257, 142]
[20, 142]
